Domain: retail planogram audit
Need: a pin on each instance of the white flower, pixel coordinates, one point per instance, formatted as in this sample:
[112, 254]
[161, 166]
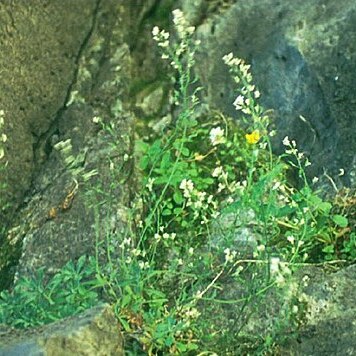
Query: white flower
[144, 265]
[149, 185]
[163, 44]
[239, 102]
[217, 136]
[217, 171]
[127, 241]
[341, 171]
[96, 119]
[215, 214]
[136, 252]
[191, 250]
[315, 180]
[230, 200]
[229, 255]
[261, 248]
[155, 31]
[227, 58]
[286, 141]
[221, 187]
[274, 265]
[3, 137]
[291, 239]
[187, 186]
[257, 94]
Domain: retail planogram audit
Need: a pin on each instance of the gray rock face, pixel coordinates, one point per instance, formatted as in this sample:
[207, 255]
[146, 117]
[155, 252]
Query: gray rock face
[330, 327]
[320, 305]
[94, 332]
[51, 235]
[301, 55]
[38, 57]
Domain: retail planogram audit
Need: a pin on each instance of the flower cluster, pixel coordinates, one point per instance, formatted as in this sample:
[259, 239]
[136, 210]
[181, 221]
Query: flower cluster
[293, 150]
[185, 45]
[224, 183]
[164, 235]
[279, 270]
[161, 37]
[187, 186]
[216, 136]
[181, 24]
[203, 206]
[229, 255]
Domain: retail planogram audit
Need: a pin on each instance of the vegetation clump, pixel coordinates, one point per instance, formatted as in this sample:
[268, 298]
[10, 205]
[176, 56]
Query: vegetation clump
[213, 208]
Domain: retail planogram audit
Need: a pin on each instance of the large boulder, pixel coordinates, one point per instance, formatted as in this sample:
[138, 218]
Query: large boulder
[47, 232]
[301, 55]
[311, 314]
[38, 57]
[94, 332]
[39, 60]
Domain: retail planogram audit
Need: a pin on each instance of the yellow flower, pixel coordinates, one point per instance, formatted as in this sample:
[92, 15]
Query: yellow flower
[253, 137]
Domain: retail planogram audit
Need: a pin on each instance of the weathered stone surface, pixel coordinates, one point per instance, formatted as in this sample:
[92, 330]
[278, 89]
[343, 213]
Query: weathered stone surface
[40, 43]
[329, 327]
[326, 309]
[94, 332]
[53, 231]
[50, 234]
[301, 54]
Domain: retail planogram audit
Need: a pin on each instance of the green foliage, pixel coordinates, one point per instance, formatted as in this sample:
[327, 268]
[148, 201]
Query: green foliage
[33, 301]
[213, 206]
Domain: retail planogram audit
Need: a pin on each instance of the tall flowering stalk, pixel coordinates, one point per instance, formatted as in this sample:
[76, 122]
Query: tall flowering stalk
[180, 55]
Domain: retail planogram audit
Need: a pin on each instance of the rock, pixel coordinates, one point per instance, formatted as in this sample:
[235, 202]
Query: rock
[94, 332]
[329, 327]
[301, 61]
[39, 56]
[234, 231]
[55, 223]
[312, 314]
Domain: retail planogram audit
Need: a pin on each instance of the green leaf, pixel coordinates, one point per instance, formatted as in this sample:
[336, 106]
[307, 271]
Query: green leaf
[325, 207]
[166, 161]
[166, 212]
[126, 299]
[340, 220]
[185, 151]
[328, 249]
[178, 197]
[155, 149]
[144, 162]
[177, 211]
